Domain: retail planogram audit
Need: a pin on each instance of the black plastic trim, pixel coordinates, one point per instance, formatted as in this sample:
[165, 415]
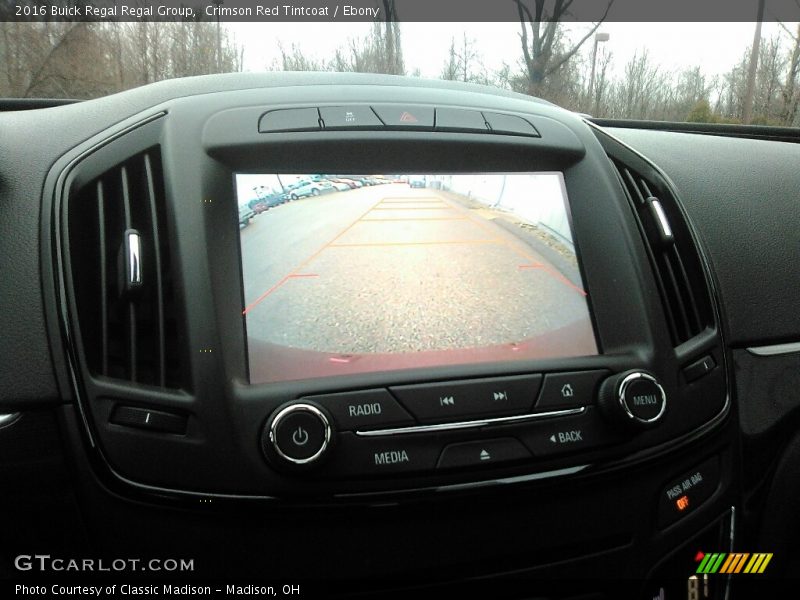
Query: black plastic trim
[756, 132]
[17, 104]
[248, 400]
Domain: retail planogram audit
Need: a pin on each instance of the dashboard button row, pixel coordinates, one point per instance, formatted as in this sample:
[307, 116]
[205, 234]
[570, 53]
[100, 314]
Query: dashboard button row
[569, 390]
[289, 119]
[393, 116]
[482, 452]
[457, 119]
[364, 410]
[406, 117]
[459, 401]
[554, 437]
[349, 117]
[366, 456]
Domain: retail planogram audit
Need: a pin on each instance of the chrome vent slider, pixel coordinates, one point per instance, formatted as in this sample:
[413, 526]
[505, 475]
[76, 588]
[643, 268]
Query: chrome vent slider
[131, 258]
[660, 218]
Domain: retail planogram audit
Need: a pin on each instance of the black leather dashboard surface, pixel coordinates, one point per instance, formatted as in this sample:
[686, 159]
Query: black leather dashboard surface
[742, 196]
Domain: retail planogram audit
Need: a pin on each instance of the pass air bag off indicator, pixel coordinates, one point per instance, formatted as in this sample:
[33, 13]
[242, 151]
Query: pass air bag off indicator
[688, 491]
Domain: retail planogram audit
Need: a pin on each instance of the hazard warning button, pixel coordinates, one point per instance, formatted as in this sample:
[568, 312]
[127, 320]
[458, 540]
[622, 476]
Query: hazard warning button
[401, 116]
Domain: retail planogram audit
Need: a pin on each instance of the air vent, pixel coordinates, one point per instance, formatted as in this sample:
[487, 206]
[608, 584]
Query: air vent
[122, 281]
[677, 267]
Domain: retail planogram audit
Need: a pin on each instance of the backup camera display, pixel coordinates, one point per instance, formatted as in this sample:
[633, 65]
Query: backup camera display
[347, 274]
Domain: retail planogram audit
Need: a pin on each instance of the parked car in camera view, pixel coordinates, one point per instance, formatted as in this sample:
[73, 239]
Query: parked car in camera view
[245, 214]
[311, 188]
[340, 186]
[348, 182]
[263, 204]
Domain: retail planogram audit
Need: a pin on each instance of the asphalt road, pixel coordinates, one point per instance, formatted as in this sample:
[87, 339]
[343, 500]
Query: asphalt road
[394, 269]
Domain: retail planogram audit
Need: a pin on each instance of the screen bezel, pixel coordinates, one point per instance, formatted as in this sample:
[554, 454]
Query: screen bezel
[628, 325]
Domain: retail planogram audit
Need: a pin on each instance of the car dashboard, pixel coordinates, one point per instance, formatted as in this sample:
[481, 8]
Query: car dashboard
[386, 373]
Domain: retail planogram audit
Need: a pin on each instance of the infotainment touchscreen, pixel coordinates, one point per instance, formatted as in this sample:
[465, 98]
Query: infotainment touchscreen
[347, 273]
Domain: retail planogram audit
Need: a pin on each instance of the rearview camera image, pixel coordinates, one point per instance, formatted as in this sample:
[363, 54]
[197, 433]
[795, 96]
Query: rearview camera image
[347, 274]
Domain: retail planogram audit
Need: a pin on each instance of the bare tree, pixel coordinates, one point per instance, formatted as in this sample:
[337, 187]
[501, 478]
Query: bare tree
[294, 60]
[464, 62]
[790, 92]
[66, 59]
[751, 73]
[601, 85]
[86, 60]
[775, 90]
[451, 68]
[468, 57]
[733, 90]
[391, 45]
[544, 49]
[637, 89]
[766, 100]
[378, 52]
[381, 51]
[691, 90]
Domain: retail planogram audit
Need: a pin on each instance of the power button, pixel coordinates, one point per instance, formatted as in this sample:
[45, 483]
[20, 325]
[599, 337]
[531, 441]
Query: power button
[299, 433]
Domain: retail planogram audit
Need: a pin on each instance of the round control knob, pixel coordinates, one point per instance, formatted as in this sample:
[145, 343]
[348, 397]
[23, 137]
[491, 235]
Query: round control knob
[633, 398]
[297, 434]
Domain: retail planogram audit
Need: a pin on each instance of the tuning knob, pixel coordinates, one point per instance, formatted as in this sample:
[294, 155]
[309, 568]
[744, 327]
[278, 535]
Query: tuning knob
[633, 399]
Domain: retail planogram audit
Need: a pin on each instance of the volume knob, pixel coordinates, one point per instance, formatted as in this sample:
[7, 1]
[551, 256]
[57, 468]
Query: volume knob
[634, 399]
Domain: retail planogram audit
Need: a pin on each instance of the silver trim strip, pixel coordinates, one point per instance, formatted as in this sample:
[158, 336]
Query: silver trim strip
[663, 223]
[8, 419]
[472, 424]
[775, 350]
[512, 480]
[134, 259]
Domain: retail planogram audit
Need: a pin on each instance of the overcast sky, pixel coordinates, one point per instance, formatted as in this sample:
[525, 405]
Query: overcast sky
[716, 47]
